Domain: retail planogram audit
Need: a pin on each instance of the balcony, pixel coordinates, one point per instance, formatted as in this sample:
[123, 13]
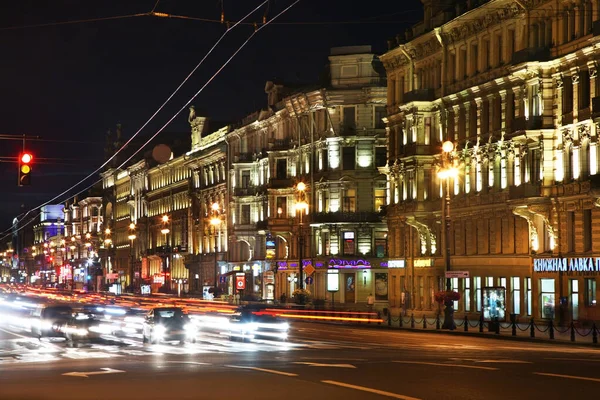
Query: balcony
[248, 191]
[419, 95]
[335, 217]
[596, 106]
[531, 54]
[279, 144]
[583, 114]
[281, 183]
[244, 158]
[532, 123]
[523, 191]
[567, 118]
[262, 225]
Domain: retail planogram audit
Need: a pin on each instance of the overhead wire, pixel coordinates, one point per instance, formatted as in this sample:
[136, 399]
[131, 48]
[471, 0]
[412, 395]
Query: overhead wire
[151, 117]
[8, 232]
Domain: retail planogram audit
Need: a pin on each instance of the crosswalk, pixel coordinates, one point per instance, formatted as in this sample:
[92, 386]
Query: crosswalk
[32, 350]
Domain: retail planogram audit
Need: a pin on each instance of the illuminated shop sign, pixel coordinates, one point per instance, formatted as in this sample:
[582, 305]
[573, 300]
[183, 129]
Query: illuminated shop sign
[340, 263]
[396, 264]
[422, 262]
[579, 264]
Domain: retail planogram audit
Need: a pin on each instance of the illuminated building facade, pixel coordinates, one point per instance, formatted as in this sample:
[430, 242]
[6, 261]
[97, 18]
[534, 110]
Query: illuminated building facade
[513, 85]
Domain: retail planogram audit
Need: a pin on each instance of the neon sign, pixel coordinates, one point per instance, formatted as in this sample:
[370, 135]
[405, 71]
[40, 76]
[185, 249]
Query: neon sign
[340, 263]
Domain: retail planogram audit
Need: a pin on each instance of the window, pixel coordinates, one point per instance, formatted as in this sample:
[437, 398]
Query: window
[281, 207]
[516, 294]
[583, 98]
[349, 201]
[574, 288]
[567, 95]
[380, 113]
[421, 299]
[547, 298]
[281, 169]
[380, 244]
[379, 199]
[349, 119]
[349, 243]
[381, 156]
[477, 284]
[590, 292]
[454, 283]
[349, 158]
[467, 294]
[245, 217]
[528, 295]
[245, 183]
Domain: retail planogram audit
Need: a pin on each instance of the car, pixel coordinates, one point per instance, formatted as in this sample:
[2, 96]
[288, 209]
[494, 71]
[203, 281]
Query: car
[168, 324]
[84, 326]
[47, 318]
[249, 324]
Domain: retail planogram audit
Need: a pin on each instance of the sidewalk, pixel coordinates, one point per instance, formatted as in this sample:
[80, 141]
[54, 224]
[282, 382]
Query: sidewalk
[507, 331]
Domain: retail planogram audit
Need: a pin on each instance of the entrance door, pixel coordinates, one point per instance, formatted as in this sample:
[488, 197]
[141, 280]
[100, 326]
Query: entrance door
[350, 288]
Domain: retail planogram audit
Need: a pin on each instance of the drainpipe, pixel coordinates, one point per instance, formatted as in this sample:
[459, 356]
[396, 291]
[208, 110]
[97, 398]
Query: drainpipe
[438, 35]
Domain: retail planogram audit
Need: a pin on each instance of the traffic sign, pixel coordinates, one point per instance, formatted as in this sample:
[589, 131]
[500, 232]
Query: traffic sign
[457, 274]
[309, 280]
[240, 282]
[309, 270]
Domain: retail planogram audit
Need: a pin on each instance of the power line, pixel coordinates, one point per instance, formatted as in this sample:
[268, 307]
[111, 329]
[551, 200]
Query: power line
[77, 21]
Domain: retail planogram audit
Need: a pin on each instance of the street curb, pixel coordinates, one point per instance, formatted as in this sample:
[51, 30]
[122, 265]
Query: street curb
[489, 336]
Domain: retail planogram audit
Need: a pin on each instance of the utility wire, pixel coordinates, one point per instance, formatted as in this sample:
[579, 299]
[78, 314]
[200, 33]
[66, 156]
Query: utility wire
[8, 231]
[153, 115]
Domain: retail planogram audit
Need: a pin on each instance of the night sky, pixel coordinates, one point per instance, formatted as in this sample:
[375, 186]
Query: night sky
[70, 83]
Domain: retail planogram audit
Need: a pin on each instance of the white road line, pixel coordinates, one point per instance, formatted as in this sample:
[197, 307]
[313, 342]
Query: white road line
[446, 365]
[15, 334]
[271, 371]
[188, 362]
[581, 378]
[371, 390]
[504, 361]
[312, 364]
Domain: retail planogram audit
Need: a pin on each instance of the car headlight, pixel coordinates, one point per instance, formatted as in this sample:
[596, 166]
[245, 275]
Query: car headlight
[251, 327]
[160, 331]
[190, 329]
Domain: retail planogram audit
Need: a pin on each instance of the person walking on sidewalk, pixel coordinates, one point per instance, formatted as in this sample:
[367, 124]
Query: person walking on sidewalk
[370, 301]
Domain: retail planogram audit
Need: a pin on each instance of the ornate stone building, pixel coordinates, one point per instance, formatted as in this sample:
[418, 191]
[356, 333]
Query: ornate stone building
[513, 85]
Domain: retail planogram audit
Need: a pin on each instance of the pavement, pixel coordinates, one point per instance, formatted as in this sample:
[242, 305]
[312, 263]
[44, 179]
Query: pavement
[319, 361]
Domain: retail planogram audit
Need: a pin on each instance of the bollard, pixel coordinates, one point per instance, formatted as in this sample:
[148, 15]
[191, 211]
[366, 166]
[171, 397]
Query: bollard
[551, 329]
[412, 320]
[437, 322]
[389, 319]
[424, 322]
[466, 328]
[481, 323]
[572, 331]
[532, 329]
[497, 325]
[594, 334]
[400, 320]
[379, 318]
[514, 327]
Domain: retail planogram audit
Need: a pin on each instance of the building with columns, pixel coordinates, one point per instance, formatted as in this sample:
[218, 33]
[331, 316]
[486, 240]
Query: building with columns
[513, 85]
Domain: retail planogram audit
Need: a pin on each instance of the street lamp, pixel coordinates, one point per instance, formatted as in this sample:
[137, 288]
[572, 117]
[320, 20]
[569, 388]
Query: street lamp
[215, 221]
[165, 231]
[446, 172]
[301, 208]
[131, 238]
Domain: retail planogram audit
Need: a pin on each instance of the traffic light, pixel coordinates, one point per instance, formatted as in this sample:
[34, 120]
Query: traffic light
[25, 169]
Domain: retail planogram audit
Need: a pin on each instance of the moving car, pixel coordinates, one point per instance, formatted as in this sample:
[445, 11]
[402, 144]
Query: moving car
[47, 318]
[84, 326]
[248, 324]
[168, 324]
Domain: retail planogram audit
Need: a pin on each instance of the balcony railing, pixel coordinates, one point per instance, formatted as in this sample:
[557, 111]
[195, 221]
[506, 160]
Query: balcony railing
[279, 144]
[340, 216]
[248, 191]
[523, 191]
[522, 124]
[419, 95]
[531, 54]
[281, 183]
[596, 106]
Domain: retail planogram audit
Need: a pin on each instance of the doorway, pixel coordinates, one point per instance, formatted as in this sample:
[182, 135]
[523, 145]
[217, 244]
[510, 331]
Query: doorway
[349, 288]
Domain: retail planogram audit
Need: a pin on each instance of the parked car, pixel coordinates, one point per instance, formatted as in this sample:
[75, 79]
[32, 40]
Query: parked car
[168, 324]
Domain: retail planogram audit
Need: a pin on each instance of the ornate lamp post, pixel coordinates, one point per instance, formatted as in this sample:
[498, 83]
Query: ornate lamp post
[165, 231]
[446, 172]
[215, 222]
[107, 245]
[131, 238]
[301, 208]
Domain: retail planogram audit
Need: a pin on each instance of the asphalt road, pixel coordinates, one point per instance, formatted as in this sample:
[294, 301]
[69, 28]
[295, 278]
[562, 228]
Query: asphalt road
[318, 362]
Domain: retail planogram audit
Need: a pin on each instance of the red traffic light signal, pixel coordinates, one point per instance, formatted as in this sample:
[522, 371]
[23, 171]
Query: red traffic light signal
[25, 169]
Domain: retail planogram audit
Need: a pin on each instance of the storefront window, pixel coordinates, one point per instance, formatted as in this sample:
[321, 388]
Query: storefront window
[574, 299]
[494, 303]
[349, 243]
[467, 294]
[528, 295]
[590, 292]
[454, 282]
[547, 297]
[477, 284]
[516, 294]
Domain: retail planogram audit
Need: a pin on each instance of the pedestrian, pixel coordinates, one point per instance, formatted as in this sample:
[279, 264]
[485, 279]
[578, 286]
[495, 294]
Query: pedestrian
[283, 298]
[370, 301]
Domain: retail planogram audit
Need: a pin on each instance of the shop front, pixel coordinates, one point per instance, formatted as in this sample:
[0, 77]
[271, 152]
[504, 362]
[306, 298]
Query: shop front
[566, 289]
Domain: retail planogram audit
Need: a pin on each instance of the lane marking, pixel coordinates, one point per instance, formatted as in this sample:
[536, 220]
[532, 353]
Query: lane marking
[446, 365]
[581, 378]
[188, 362]
[504, 361]
[371, 390]
[271, 371]
[15, 334]
[311, 364]
[334, 359]
[103, 371]
[573, 359]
